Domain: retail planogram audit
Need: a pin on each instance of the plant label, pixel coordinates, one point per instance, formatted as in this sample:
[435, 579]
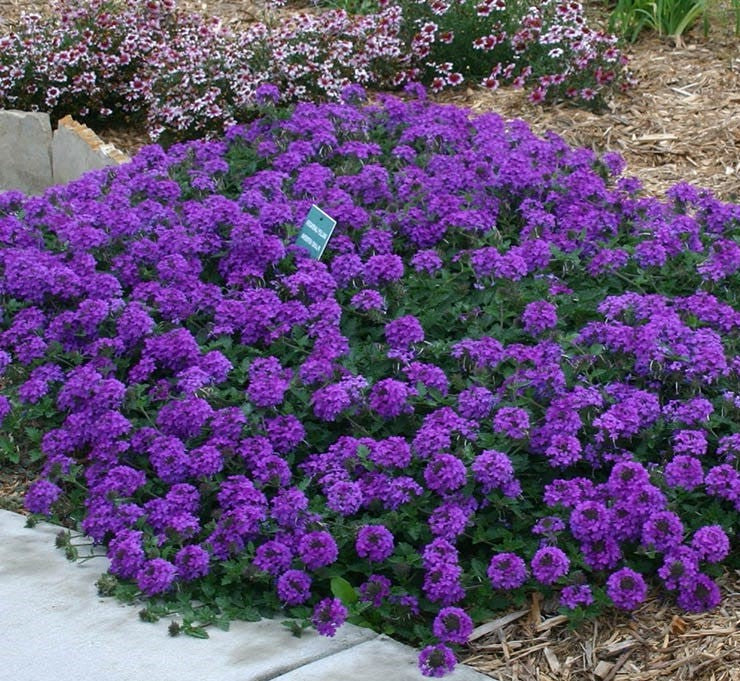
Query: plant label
[315, 233]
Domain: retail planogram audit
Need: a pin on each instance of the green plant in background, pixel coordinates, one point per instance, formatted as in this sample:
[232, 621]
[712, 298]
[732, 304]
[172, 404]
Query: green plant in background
[349, 6]
[629, 18]
[670, 18]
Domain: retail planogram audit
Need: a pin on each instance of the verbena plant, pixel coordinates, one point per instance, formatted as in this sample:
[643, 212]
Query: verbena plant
[508, 372]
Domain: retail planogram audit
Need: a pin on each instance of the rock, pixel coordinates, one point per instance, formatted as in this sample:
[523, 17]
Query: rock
[77, 149]
[25, 151]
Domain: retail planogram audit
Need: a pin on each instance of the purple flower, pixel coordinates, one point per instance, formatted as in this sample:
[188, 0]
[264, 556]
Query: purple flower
[426, 261]
[330, 401]
[512, 421]
[267, 93]
[590, 520]
[662, 530]
[368, 299]
[507, 571]
[711, 543]
[328, 615]
[445, 473]
[568, 493]
[382, 269]
[723, 481]
[449, 520]
[126, 553]
[452, 625]
[549, 564]
[493, 470]
[625, 477]
[577, 594]
[294, 587]
[626, 588]
[374, 542]
[548, 526]
[436, 661]
[680, 564]
[273, 556]
[539, 316]
[204, 461]
[184, 418]
[684, 471]
[388, 398]
[375, 590]
[393, 451]
[601, 554]
[475, 402]
[192, 561]
[344, 497]
[346, 267]
[429, 375]
[238, 492]
[438, 551]
[268, 382]
[317, 549]
[563, 450]
[353, 94]
[406, 606]
[692, 442]
[41, 496]
[403, 332]
[284, 432]
[5, 407]
[484, 352]
[156, 576]
[698, 594]
[729, 447]
[442, 583]
[271, 470]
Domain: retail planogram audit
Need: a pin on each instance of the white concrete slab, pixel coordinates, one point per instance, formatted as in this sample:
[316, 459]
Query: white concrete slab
[381, 659]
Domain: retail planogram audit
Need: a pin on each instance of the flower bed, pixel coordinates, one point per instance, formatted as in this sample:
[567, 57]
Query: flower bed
[508, 372]
[186, 76]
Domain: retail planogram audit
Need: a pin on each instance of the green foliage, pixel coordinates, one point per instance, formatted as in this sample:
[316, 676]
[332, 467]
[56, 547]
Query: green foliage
[671, 18]
[351, 6]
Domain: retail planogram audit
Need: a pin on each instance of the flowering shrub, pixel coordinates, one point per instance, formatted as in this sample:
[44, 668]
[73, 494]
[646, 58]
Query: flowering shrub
[508, 372]
[89, 59]
[188, 76]
[547, 47]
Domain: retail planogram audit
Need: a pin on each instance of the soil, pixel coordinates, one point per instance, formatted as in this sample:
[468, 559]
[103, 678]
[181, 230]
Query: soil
[680, 123]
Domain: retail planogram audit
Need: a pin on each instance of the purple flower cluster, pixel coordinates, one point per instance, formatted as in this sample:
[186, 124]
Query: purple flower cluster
[259, 419]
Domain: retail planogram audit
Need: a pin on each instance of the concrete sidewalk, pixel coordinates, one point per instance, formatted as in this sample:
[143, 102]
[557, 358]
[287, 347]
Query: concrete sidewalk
[55, 627]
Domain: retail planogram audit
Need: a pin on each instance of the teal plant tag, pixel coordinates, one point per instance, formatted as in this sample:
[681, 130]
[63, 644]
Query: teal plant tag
[315, 233]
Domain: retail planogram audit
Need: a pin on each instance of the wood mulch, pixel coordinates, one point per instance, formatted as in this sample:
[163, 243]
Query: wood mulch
[680, 123]
[656, 642]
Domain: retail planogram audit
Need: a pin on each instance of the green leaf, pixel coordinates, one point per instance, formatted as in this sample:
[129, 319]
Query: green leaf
[223, 624]
[343, 590]
[195, 632]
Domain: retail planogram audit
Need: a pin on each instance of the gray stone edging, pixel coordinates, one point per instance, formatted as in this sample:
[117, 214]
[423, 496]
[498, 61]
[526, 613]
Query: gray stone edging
[33, 158]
